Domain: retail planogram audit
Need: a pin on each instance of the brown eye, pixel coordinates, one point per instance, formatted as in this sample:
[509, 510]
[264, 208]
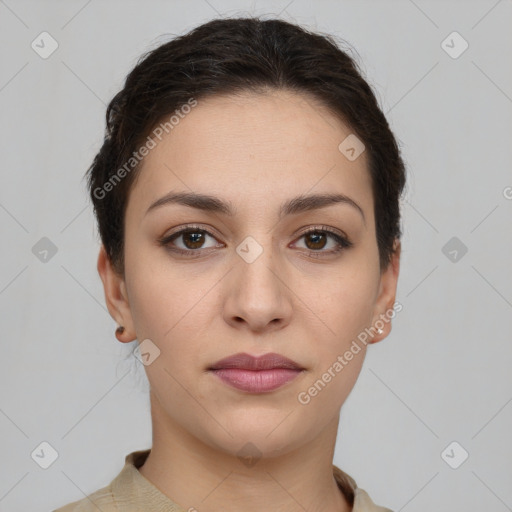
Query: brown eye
[191, 242]
[188, 241]
[316, 240]
[193, 239]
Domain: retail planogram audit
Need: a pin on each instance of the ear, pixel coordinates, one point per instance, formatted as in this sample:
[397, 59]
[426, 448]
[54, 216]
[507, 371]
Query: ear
[387, 294]
[116, 297]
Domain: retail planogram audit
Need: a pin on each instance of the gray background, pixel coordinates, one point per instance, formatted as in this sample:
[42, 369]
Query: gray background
[443, 375]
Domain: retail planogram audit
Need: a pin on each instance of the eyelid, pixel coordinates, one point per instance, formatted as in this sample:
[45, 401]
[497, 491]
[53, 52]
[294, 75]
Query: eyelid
[328, 229]
[164, 240]
[340, 237]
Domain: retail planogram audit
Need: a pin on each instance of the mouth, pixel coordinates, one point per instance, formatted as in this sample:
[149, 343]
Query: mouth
[256, 374]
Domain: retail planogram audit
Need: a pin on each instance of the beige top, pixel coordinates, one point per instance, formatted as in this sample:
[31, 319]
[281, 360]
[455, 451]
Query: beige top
[130, 491]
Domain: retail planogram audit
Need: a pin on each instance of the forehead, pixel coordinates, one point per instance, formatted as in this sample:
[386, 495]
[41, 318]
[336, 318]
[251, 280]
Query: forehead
[253, 147]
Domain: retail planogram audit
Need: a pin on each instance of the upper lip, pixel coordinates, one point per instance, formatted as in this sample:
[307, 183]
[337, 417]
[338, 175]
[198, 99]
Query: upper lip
[247, 362]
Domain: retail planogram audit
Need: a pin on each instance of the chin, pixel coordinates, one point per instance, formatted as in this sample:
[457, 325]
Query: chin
[260, 434]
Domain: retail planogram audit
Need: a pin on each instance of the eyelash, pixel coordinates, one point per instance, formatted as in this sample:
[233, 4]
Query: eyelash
[343, 242]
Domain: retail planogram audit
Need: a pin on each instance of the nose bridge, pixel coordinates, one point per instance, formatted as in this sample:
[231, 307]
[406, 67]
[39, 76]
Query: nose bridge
[258, 261]
[251, 249]
[257, 293]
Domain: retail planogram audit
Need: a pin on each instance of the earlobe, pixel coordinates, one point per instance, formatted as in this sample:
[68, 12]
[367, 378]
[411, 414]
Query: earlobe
[116, 297]
[384, 306]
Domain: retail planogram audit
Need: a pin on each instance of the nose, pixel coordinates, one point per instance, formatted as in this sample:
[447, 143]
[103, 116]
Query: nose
[257, 296]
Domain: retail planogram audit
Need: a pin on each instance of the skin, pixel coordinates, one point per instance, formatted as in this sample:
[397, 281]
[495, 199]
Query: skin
[256, 151]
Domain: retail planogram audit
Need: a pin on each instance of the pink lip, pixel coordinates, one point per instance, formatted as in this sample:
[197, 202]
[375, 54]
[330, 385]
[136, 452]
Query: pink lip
[256, 374]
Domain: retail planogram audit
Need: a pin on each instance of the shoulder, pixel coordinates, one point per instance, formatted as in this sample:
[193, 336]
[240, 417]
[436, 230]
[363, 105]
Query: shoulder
[356, 497]
[129, 490]
[363, 503]
[102, 499]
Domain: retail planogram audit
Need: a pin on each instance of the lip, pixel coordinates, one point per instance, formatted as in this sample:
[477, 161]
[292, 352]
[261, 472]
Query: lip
[245, 361]
[256, 374]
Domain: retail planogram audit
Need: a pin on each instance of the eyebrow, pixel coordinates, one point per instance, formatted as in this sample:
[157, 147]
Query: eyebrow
[214, 204]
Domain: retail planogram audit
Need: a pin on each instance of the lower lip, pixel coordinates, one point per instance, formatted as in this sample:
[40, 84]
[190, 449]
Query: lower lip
[257, 381]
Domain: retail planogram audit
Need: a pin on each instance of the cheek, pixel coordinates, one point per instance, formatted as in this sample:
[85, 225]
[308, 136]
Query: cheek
[327, 390]
[345, 312]
[345, 303]
[162, 295]
[345, 308]
[163, 311]
[173, 311]
[152, 303]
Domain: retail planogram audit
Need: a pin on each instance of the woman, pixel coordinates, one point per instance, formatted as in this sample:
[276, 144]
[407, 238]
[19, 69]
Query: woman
[247, 196]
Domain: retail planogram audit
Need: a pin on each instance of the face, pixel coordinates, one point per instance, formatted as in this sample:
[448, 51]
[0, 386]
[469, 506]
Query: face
[251, 281]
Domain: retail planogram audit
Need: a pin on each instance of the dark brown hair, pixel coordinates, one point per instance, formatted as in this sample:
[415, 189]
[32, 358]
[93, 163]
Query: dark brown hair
[229, 56]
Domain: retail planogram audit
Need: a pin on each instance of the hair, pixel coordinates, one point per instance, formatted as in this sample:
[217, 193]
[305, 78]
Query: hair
[232, 56]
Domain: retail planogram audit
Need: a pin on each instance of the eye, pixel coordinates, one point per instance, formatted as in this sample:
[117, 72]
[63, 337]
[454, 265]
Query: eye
[317, 238]
[191, 238]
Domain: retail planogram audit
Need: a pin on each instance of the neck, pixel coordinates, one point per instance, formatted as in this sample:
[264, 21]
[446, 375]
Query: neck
[199, 477]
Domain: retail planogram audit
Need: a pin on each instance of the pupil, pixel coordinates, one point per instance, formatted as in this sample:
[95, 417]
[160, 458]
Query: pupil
[316, 237]
[196, 238]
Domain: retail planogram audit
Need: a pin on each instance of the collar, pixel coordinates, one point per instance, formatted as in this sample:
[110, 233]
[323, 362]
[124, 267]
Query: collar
[132, 491]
